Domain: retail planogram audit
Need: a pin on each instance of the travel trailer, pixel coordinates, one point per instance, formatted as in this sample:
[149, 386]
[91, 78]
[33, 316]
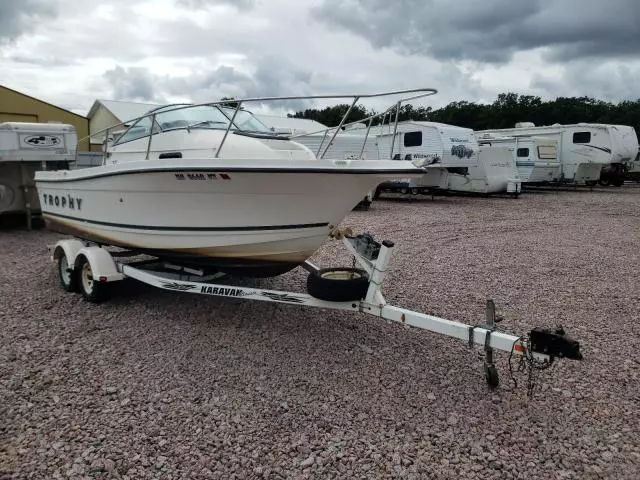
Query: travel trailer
[450, 155]
[584, 148]
[24, 149]
[536, 157]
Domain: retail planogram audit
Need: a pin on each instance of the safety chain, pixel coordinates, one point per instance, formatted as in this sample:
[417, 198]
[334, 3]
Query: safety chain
[529, 363]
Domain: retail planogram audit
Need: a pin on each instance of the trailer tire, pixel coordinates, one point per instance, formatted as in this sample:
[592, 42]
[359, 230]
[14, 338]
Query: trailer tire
[67, 275]
[338, 284]
[93, 291]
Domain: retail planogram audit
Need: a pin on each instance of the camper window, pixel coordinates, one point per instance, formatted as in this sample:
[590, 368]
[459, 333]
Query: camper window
[523, 152]
[582, 137]
[547, 152]
[413, 139]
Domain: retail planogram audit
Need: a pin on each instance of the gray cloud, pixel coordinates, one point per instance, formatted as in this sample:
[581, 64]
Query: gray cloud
[611, 82]
[20, 16]
[273, 76]
[197, 4]
[134, 83]
[43, 61]
[492, 30]
[204, 50]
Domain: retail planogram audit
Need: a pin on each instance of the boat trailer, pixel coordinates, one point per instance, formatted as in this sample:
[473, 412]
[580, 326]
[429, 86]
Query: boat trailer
[89, 269]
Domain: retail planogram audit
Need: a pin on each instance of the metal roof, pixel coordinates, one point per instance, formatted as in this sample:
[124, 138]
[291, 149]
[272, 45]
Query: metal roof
[123, 111]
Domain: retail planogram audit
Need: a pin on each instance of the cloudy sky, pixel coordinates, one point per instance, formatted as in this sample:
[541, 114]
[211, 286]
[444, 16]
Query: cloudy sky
[70, 52]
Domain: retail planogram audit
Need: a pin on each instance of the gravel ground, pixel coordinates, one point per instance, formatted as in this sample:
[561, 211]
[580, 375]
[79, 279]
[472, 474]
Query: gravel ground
[155, 384]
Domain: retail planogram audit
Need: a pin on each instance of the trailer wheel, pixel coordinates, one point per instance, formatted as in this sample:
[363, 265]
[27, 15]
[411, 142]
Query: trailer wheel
[91, 289]
[338, 284]
[67, 275]
[491, 374]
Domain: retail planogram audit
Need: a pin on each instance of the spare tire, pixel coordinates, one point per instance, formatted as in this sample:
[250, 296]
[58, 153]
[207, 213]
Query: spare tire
[338, 284]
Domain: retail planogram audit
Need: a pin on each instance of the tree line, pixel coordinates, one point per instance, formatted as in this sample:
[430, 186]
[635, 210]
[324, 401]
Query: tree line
[504, 112]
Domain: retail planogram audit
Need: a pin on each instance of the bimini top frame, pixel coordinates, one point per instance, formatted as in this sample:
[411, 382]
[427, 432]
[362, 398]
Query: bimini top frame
[222, 105]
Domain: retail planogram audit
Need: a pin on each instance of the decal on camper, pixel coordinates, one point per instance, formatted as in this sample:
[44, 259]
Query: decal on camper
[42, 140]
[461, 151]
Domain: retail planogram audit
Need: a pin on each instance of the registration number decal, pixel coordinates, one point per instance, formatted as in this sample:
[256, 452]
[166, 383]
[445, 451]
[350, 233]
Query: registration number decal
[202, 176]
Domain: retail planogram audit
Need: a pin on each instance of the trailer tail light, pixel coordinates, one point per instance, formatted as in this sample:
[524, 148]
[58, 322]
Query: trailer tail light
[102, 279]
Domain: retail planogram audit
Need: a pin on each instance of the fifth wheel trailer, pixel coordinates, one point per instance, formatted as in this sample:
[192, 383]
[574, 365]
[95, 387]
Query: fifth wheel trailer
[584, 148]
[453, 159]
[24, 149]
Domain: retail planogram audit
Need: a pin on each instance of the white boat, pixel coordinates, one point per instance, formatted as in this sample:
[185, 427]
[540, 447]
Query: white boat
[208, 185]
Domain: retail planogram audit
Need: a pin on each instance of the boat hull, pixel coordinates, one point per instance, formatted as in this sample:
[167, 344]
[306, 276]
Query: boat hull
[245, 222]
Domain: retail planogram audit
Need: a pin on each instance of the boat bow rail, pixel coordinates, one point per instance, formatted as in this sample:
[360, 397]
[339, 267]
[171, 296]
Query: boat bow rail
[236, 107]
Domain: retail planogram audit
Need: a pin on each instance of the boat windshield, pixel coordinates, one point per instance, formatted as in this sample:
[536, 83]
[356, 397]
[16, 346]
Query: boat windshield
[206, 116]
[202, 116]
[246, 121]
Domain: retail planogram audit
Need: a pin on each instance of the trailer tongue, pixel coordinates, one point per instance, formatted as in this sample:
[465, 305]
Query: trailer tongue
[90, 269]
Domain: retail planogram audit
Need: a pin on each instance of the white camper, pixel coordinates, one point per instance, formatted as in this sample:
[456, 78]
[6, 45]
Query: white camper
[24, 149]
[450, 154]
[453, 159]
[536, 157]
[583, 148]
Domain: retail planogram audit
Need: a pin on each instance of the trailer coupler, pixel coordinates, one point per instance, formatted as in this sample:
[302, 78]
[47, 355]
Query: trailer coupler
[555, 343]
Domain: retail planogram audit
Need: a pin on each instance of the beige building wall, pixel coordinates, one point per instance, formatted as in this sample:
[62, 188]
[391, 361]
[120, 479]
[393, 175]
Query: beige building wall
[18, 107]
[101, 119]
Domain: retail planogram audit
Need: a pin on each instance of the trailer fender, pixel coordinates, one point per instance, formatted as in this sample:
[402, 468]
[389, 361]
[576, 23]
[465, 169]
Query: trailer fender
[68, 248]
[103, 267]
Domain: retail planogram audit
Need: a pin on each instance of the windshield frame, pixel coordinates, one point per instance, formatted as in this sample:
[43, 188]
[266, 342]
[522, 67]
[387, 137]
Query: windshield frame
[225, 111]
